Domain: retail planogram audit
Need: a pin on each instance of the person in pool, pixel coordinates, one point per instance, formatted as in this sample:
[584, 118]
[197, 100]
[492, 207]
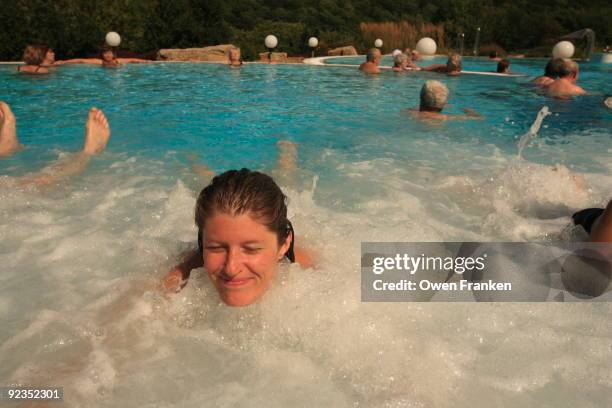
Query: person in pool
[108, 59]
[597, 222]
[434, 97]
[243, 236]
[551, 72]
[503, 66]
[566, 86]
[451, 68]
[493, 56]
[401, 62]
[415, 55]
[97, 133]
[38, 59]
[370, 66]
[235, 59]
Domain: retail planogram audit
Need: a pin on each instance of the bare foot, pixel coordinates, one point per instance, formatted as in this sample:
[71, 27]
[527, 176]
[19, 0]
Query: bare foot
[97, 132]
[8, 133]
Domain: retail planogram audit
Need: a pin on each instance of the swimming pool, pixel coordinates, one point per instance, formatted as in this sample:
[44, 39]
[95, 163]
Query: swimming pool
[78, 259]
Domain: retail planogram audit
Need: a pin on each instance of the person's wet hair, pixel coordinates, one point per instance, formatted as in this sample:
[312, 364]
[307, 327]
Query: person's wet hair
[434, 96]
[373, 53]
[503, 65]
[238, 192]
[35, 54]
[400, 59]
[552, 68]
[493, 54]
[568, 68]
[453, 63]
[106, 49]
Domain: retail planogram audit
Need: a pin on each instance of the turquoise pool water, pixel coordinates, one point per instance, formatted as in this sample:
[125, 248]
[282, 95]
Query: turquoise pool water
[79, 258]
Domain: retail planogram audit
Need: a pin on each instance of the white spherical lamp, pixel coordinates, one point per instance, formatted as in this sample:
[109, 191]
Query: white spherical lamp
[563, 49]
[378, 43]
[426, 46]
[271, 41]
[113, 39]
[313, 42]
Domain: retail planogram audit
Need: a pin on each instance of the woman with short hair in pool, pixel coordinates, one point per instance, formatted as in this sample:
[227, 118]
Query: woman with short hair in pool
[234, 57]
[243, 235]
[37, 58]
[108, 59]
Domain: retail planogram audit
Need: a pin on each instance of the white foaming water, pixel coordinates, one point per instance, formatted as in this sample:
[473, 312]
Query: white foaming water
[80, 309]
[533, 130]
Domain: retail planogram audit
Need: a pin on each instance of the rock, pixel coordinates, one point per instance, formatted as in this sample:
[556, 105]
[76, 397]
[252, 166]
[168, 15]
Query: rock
[275, 57]
[216, 53]
[347, 50]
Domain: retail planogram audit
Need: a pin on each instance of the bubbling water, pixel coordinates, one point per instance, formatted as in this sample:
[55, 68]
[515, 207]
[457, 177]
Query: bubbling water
[81, 263]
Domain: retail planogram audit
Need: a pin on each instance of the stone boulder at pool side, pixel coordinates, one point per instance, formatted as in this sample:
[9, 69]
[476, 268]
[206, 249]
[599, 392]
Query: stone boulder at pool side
[215, 53]
[347, 50]
[275, 57]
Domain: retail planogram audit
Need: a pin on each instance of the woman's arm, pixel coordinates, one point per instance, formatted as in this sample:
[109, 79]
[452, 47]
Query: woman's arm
[94, 61]
[133, 60]
[178, 276]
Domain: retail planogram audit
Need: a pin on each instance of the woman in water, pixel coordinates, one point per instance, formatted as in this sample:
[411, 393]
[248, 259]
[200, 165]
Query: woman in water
[243, 236]
[107, 59]
[37, 58]
[235, 59]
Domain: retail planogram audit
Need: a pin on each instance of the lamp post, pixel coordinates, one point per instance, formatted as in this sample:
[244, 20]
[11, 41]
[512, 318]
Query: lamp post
[477, 41]
[271, 43]
[312, 43]
[378, 43]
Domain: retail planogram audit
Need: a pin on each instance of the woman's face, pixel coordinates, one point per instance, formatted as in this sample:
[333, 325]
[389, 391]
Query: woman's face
[240, 256]
[108, 56]
[49, 57]
[234, 55]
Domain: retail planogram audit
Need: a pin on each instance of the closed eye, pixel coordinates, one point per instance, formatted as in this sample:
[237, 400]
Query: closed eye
[214, 248]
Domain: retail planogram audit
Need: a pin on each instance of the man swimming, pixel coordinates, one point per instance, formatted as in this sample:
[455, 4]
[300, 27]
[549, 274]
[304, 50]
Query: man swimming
[451, 68]
[434, 97]
[370, 66]
[566, 86]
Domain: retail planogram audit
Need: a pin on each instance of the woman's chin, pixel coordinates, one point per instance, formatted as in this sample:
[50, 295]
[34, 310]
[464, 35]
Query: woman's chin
[238, 299]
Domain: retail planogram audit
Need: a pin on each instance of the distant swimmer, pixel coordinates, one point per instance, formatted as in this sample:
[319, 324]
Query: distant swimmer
[434, 97]
[566, 86]
[608, 102]
[451, 68]
[371, 65]
[503, 66]
[235, 59]
[38, 59]
[551, 72]
[415, 55]
[108, 59]
[97, 133]
[493, 56]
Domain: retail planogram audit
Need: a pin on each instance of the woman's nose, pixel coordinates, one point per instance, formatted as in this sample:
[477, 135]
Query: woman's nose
[233, 263]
